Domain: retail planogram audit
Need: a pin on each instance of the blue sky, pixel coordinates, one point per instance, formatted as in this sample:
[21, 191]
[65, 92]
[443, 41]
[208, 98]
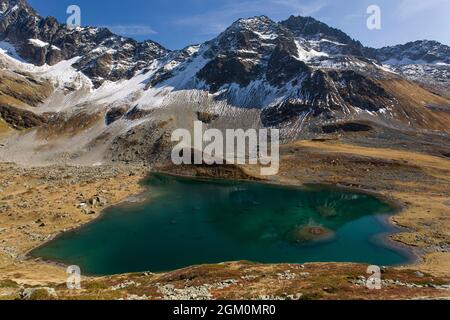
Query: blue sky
[177, 23]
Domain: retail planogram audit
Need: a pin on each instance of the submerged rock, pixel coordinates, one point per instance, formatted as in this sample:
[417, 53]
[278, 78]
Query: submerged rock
[304, 234]
[326, 212]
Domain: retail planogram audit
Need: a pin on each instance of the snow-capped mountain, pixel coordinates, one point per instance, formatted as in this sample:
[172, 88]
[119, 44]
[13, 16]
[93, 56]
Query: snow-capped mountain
[258, 63]
[105, 56]
[417, 52]
[323, 38]
[427, 62]
[298, 75]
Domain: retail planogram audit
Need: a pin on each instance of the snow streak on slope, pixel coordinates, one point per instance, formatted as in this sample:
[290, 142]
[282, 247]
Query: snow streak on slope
[9, 50]
[112, 93]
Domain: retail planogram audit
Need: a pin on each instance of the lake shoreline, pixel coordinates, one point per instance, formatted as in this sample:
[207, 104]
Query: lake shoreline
[410, 203]
[382, 239]
[413, 253]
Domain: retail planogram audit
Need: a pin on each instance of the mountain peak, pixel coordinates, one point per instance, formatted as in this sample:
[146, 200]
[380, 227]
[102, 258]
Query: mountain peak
[258, 23]
[9, 3]
[8, 6]
[418, 52]
[253, 34]
[104, 55]
[294, 70]
[312, 29]
[253, 21]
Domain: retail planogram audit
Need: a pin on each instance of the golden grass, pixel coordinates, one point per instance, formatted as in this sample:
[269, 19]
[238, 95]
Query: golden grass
[4, 127]
[425, 199]
[11, 101]
[428, 162]
[413, 100]
[19, 91]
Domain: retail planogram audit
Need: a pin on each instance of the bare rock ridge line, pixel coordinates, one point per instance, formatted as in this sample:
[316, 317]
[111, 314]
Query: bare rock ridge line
[113, 98]
[44, 40]
[85, 114]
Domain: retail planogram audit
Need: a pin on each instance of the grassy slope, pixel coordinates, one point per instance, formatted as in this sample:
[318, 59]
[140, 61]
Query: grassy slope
[22, 90]
[413, 100]
[4, 127]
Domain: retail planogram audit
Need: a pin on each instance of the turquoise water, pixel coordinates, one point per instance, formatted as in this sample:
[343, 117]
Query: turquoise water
[190, 222]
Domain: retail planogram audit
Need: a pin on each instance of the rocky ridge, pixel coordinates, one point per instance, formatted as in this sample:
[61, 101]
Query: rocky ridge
[104, 55]
[299, 75]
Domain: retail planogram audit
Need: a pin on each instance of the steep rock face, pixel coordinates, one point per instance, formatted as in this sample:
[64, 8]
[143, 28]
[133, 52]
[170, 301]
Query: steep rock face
[267, 59]
[242, 52]
[424, 61]
[325, 93]
[284, 64]
[414, 52]
[322, 37]
[278, 59]
[255, 49]
[276, 74]
[361, 92]
[427, 62]
[21, 26]
[114, 57]
[252, 49]
[105, 56]
[280, 69]
[229, 69]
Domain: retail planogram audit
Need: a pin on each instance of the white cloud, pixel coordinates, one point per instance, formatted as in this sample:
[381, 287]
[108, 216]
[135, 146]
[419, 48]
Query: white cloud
[218, 20]
[408, 8]
[131, 30]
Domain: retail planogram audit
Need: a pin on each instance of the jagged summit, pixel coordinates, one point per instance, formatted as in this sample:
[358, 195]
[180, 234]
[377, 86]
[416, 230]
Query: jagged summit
[323, 37]
[104, 55]
[243, 52]
[10, 4]
[299, 74]
[257, 28]
[421, 51]
[253, 22]
[312, 29]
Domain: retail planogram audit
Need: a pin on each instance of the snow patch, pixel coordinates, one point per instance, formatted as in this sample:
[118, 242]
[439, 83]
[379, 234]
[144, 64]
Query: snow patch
[191, 50]
[8, 49]
[38, 43]
[266, 36]
[406, 61]
[4, 9]
[385, 67]
[333, 42]
[307, 55]
[61, 74]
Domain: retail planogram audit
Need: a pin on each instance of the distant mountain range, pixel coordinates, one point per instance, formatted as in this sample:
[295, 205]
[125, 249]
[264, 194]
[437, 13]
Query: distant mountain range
[298, 74]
